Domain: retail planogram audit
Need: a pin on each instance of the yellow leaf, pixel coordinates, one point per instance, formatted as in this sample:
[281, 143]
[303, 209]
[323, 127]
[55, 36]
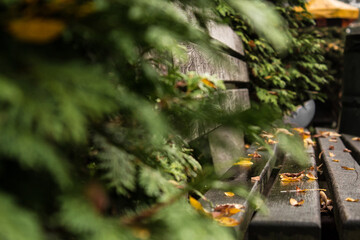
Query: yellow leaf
[36, 30]
[229, 194]
[208, 83]
[352, 199]
[227, 221]
[196, 204]
[311, 176]
[331, 154]
[347, 168]
[356, 139]
[335, 160]
[245, 162]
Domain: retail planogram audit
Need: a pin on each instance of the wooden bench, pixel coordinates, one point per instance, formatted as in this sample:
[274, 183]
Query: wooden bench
[343, 180]
[223, 145]
[285, 221]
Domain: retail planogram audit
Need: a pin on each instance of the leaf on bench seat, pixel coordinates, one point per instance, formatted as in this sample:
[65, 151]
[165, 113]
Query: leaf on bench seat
[347, 150]
[356, 138]
[352, 199]
[229, 194]
[296, 203]
[245, 162]
[331, 154]
[336, 160]
[347, 168]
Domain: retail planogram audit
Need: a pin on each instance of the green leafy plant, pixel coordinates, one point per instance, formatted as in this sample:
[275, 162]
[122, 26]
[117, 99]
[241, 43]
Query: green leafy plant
[93, 117]
[285, 81]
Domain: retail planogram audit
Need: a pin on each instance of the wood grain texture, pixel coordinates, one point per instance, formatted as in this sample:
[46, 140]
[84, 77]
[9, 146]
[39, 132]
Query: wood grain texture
[241, 176]
[343, 184]
[232, 69]
[285, 221]
[230, 100]
[224, 34]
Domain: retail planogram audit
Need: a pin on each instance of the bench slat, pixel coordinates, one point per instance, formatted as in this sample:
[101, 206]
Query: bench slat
[285, 221]
[238, 175]
[343, 184]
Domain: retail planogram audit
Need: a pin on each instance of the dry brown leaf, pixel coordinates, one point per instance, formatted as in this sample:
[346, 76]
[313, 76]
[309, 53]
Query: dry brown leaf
[331, 147]
[347, 150]
[356, 139]
[266, 135]
[291, 174]
[336, 160]
[333, 140]
[311, 168]
[284, 131]
[300, 190]
[254, 155]
[296, 203]
[256, 178]
[308, 142]
[347, 168]
[352, 199]
[229, 194]
[227, 210]
[311, 176]
[331, 154]
[247, 146]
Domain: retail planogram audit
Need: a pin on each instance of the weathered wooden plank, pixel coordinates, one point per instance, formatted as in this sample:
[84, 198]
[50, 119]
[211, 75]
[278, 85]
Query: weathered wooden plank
[343, 184]
[240, 175]
[226, 144]
[285, 221]
[224, 34]
[230, 100]
[231, 70]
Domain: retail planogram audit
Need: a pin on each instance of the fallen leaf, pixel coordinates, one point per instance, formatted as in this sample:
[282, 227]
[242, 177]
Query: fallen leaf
[245, 162]
[299, 130]
[262, 148]
[229, 194]
[308, 142]
[300, 190]
[331, 154]
[294, 202]
[311, 176]
[196, 204]
[271, 142]
[247, 146]
[356, 138]
[254, 155]
[318, 168]
[227, 210]
[227, 221]
[208, 83]
[325, 202]
[347, 150]
[331, 147]
[266, 135]
[347, 168]
[256, 178]
[284, 131]
[335, 160]
[333, 140]
[311, 168]
[329, 134]
[291, 174]
[352, 199]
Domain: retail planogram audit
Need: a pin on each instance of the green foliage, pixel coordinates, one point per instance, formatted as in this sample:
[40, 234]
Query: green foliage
[285, 81]
[94, 117]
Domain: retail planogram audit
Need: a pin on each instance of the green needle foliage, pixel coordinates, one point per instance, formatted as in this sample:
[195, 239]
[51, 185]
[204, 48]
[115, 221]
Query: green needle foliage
[94, 117]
